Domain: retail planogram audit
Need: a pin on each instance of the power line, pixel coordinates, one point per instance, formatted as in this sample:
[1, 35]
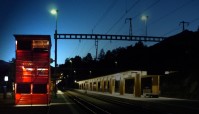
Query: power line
[172, 11]
[92, 46]
[194, 20]
[122, 16]
[150, 6]
[131, 18]
[172, 30]
[176, 28]
[82, 48]
[138, 14]
[75, 50]
[104, 14]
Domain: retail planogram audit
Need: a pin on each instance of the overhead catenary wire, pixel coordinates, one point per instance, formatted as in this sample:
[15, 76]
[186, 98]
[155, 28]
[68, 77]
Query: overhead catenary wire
[171, 12]
[147, 8]
[131, 18]
[121, 18]
[75, 50]
[167, 15]
[92, 47]
[123, 15]
[178, 28]
[127, 11]
[104, 14]
[180, 7]
[99, 21]
[138, 14]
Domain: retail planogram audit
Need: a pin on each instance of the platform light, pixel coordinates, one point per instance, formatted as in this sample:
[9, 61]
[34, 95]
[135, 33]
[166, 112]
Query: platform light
[6, 78]
[145, 18]
[70, 61]
[53, 11]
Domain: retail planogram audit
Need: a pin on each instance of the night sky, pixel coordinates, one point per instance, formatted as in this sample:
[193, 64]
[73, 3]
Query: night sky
[92, 16]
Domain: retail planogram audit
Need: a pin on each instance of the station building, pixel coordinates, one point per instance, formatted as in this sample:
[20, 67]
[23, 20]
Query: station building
[32, 80]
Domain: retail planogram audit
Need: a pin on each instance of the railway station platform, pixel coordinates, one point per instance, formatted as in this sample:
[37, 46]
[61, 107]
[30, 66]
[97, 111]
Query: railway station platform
[131, 96]
[58, 105]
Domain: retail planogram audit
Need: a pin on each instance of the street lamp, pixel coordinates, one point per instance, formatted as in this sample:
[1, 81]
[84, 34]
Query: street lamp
[71, 61]
[55, 12]
[6, 78]
[115, 63]
[145, 18]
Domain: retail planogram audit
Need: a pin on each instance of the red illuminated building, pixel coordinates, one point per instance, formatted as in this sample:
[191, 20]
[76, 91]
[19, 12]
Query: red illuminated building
[32, 82]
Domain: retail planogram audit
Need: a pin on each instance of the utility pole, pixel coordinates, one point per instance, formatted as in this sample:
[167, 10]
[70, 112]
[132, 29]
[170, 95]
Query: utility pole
[183, 24]
[130, 28]
[96, 47]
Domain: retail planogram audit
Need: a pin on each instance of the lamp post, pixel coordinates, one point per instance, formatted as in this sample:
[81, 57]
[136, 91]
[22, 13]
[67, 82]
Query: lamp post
[145, 18]
[55, 12]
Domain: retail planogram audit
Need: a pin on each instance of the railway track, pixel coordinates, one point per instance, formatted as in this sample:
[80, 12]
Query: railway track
[130, 106]
[113, 105]
[87, 106]
[135, 106]
[148, 106]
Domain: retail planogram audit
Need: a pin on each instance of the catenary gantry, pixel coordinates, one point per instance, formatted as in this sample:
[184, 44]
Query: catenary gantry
[109, 37]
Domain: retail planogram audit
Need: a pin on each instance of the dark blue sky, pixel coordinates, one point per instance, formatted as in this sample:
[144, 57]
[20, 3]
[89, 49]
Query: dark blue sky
[83, 16]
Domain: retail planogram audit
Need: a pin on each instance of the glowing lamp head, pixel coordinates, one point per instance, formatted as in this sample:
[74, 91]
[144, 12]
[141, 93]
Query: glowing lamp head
[6, 78]
[54, 11]
[144, 17]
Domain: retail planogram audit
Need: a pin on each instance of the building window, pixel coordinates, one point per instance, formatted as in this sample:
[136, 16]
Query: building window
[40, 45]
[23, 88]
[24, 45]
[42, 71]
[39, 88]
[28, 71]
